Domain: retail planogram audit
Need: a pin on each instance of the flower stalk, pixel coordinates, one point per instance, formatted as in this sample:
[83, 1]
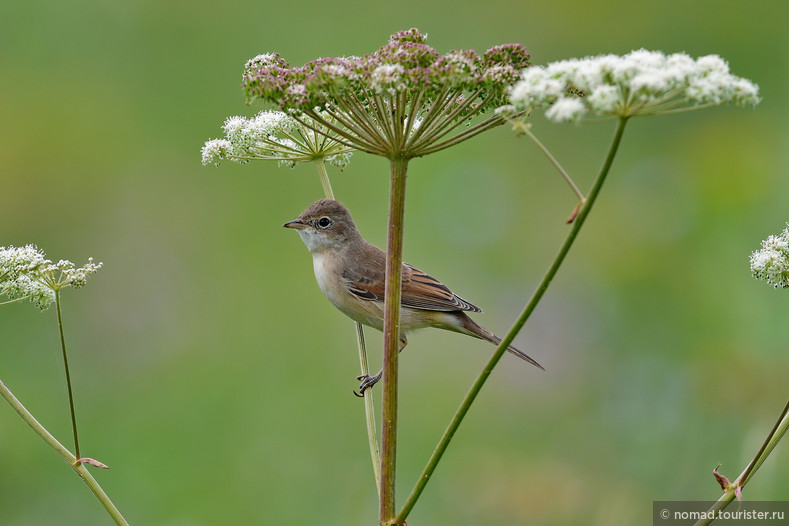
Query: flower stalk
[392, 294]
[25, 273]
[734, 489]
[369, 409]
[320, 165]
[68, 375]
[525, 129]
[515, 329]
[79, 468]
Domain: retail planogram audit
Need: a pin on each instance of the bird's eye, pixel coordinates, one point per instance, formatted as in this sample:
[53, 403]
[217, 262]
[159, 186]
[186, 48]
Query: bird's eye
[324, 222]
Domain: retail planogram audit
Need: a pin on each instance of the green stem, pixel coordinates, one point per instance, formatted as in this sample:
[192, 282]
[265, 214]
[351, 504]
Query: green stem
[68, 375]
[17, 300]
[775, 436]
[369, 403]
[369, 408]
[324, 177]
[517, 326]
[525, 129]
[61, 450]
[392, 294]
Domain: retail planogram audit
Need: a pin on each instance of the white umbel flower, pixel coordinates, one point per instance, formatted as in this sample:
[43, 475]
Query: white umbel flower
[274, 136]
[25, 273]
[639, 83]
[771, 263]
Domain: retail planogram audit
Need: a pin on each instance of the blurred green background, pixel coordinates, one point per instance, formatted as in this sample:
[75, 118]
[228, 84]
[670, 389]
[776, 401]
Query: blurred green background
[214, 378]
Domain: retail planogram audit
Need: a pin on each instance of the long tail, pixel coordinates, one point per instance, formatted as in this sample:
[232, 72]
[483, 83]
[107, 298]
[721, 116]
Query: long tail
[473, 329]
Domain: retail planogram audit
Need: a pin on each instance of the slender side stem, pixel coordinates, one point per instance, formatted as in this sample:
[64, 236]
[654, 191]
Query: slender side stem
[14, 301]
[61, 450]
[775, 436]
[369, 408]
[517, 326]
[369, 403]
[394, 273]
[320, 165]
[68, 375]
[525, 129]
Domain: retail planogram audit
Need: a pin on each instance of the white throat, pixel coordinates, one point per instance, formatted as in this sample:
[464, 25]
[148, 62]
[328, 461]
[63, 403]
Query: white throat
[317, 241]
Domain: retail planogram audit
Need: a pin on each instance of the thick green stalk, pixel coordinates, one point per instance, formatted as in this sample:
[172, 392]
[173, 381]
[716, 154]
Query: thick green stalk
[775, 436]
[68, 375]
[78, 467]
[394, 274]
[517, 326]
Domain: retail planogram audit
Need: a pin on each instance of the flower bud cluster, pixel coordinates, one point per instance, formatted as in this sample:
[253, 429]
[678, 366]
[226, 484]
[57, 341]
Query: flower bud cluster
[405, 65]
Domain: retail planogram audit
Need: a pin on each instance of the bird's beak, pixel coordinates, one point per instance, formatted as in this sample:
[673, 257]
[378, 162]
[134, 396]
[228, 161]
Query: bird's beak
[297, 224]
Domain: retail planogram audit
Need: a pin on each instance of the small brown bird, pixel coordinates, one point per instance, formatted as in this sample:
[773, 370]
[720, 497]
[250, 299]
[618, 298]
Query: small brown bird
[351, 274]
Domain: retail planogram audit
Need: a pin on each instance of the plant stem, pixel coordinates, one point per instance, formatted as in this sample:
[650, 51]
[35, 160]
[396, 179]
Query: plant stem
[369, 403]
[526, 130]
[61, 450]
[14, 301]
[369, 408]
[68, 375]
[324, 177]
[517, 326]
[775, 436]
[393, 290]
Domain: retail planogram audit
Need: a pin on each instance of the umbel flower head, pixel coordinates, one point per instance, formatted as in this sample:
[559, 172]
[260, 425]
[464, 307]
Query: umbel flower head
[771, 263]
[25, 273]
[399, 101]
[639, 83]
[273, 135]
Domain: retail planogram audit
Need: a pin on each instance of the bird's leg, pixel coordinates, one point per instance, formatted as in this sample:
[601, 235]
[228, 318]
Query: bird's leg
[369, 381]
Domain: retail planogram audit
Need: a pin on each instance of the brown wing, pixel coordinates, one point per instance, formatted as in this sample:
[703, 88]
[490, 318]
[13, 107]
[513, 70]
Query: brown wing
[423, 291]
[420, 290]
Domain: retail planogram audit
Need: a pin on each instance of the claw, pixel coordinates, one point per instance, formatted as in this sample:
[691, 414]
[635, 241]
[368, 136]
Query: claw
[367, 382]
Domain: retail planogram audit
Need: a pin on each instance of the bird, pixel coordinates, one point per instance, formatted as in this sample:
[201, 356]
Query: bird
[351, 274]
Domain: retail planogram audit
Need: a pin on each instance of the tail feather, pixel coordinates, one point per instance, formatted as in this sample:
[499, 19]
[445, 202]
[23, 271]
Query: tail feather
[473, 329]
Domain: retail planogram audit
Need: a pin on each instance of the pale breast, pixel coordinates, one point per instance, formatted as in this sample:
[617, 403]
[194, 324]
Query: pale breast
[329, 279]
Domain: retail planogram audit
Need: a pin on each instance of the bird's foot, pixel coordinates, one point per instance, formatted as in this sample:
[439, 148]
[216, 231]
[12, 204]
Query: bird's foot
[367, 382]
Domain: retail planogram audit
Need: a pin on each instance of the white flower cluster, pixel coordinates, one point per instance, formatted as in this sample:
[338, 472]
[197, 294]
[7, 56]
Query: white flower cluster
[639, 83]
[273, 135]
[25, 273]
[771, 263]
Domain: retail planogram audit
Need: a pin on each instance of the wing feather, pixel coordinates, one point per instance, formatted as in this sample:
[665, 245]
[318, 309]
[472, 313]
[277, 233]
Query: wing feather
[420, 290]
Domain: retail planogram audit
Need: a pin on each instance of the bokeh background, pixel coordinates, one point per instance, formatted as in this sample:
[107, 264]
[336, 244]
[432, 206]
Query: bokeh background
[214, 378]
